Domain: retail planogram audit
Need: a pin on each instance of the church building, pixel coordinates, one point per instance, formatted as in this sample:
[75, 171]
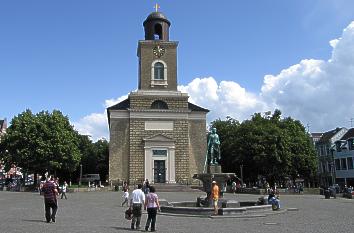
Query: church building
[156, 133]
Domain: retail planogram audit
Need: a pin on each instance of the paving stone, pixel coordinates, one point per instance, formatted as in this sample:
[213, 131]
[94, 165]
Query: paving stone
[101, 212]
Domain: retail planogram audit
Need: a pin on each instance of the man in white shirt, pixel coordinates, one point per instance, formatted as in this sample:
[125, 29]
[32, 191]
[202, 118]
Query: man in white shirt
[136, 203]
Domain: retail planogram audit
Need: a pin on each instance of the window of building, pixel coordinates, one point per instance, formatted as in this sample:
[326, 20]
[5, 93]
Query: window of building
[159, 71]
[327, 150]
[344, 164]
[337, 164]
[158, 31]
[351, 144]
[350, 162]
[159, 153]
[338, 146]
[159, 104]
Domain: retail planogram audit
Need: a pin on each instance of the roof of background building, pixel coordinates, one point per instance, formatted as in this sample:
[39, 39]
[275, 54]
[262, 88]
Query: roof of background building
[316, 135]
[349, 134]
[125, 104]
[328, 135]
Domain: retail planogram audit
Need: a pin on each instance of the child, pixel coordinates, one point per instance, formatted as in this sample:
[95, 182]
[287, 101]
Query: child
[126, 197]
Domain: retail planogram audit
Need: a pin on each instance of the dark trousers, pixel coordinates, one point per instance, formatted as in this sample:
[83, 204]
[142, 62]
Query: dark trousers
[151, 218]
[63, 194]
[136, 215]
[125, 201]
[50, 205]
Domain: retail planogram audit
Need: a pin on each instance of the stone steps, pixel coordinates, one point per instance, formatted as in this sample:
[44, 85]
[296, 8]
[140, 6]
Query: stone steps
[174, 188]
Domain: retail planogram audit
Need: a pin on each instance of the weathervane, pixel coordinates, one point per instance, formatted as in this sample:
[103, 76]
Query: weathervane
[157, 6]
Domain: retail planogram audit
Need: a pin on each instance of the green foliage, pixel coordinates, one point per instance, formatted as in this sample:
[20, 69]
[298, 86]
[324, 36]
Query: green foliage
[266, 146]
[41, 142]
[47, 142]
[94, 156]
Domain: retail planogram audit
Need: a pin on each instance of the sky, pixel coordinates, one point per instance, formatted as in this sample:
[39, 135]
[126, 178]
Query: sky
[235, 58]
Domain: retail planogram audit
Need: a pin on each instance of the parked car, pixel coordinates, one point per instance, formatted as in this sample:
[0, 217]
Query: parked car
[90, 178]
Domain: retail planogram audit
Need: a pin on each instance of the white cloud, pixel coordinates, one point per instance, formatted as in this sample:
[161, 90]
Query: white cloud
[95, 125]
[317, 92]
[314, 91]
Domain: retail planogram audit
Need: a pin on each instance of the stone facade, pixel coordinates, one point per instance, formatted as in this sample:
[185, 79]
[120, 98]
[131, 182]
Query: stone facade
[119, 149]
[156, 133]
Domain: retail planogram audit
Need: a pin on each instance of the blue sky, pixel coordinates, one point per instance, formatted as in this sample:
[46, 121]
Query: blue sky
[76, 55]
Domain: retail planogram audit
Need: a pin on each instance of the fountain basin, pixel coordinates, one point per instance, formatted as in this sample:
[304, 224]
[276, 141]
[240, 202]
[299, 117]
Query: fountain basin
[190, 208]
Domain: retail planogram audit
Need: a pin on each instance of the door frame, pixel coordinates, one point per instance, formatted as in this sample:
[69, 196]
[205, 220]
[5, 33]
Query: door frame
[160, 142]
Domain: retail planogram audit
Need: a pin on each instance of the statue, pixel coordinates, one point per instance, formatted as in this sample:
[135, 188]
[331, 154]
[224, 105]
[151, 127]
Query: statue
[213, 155]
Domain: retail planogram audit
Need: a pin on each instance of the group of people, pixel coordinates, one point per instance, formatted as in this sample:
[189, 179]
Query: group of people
[142, 196]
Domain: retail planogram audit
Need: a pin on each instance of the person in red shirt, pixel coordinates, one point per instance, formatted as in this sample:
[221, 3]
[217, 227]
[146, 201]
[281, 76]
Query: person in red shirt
[215, 196]
[50, 193]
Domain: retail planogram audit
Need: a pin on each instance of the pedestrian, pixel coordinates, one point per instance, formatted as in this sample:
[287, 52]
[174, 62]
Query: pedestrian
[126, 197]
[136, 203]
[64, 190]
[50, 200]
[146, 186]
[152, 205]
[215, 196]
[125, 186]
[233, 187]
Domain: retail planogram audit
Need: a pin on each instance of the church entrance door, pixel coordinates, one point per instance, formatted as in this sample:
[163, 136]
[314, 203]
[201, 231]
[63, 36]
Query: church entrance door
[159, 171]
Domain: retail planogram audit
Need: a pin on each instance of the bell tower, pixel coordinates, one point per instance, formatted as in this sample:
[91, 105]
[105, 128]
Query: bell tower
[157, 55]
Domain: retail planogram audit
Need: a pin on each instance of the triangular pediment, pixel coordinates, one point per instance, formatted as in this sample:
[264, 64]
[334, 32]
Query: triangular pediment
[159, 138]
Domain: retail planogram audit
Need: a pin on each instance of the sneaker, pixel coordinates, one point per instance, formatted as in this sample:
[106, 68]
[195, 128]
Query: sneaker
[146, 228]
[53, 219]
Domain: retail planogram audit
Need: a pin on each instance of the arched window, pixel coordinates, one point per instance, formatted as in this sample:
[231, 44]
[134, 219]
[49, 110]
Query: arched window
[158, 31]
[159, 71]
[159, 104]
[159, 74]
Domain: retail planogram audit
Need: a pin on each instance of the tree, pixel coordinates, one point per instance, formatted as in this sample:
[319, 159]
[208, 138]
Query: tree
[94, 156]
[41, 142]
[266, 146]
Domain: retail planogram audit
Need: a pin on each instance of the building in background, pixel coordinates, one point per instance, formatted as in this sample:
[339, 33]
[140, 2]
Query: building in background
[155, 133]
[325, 148]
[343, 154]
[3, 127]
[315, 137]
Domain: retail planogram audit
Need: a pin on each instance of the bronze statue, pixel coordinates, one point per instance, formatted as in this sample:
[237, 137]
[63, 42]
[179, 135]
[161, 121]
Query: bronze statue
[213, 155]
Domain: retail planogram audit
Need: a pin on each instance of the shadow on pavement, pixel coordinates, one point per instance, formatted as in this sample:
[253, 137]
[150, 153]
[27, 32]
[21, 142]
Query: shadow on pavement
[122, 228]
[33, 220]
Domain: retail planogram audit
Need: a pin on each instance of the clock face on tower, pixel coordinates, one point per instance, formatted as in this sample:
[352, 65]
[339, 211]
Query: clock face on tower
[158, 51]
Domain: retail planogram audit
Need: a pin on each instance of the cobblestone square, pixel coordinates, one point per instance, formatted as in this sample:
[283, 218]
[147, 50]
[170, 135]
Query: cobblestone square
[101, 212]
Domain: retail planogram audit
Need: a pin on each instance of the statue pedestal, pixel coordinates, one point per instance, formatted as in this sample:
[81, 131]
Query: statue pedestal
[211, 169]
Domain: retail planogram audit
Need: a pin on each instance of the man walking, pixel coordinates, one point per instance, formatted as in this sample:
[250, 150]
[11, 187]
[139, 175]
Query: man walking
[136, 203]
[215, 196]
[50, 200]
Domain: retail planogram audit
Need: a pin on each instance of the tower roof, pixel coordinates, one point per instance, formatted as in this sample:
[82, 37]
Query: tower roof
[157, 16]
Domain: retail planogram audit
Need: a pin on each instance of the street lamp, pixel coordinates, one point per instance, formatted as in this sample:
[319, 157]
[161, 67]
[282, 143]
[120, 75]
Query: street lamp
[80, 174]
[241, 171]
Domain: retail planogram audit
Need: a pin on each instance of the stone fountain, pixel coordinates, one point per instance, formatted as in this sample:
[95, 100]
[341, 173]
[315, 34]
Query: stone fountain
[213, 172]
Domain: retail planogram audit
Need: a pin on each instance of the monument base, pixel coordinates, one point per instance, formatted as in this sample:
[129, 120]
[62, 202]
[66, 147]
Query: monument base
[211, 169]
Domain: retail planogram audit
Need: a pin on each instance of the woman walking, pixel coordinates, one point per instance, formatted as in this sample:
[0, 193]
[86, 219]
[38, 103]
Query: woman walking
[152, 205]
